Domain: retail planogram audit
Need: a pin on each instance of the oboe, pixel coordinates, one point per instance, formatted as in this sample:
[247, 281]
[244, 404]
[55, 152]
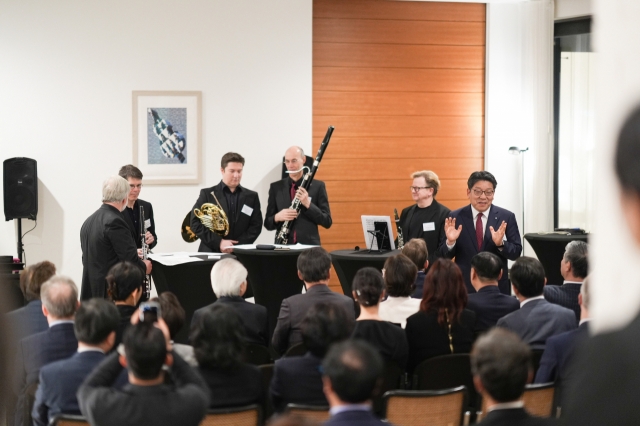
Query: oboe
[145, 255]
[399, 229]
[283, 234]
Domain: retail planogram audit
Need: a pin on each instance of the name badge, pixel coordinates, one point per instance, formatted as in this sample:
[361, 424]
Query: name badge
[147, 224]
[247, 210]
[428, 226]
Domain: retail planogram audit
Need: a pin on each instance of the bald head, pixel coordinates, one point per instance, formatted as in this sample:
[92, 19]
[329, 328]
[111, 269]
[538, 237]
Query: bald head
[294, 161]
[59, 298]
[294, 152]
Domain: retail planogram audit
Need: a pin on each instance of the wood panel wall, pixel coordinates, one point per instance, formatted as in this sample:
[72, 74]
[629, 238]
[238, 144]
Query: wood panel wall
[403, 84]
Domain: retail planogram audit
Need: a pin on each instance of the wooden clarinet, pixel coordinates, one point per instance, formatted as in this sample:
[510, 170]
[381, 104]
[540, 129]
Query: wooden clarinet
[146, 294]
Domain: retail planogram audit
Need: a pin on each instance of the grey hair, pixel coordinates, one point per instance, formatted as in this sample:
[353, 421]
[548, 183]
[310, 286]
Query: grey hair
[60, 296]
[227, 275]
[115, 189]
[584, 292]
[576, 254]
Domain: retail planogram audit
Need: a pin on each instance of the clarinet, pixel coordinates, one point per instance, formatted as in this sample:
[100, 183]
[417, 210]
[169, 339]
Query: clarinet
[399, 229]
[146, 294]
[283, 234]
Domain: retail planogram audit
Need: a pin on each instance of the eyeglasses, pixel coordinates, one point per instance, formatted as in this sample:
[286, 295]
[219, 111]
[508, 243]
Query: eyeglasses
[478, 192]
[294, 161]
[138, 186]
[418, 188]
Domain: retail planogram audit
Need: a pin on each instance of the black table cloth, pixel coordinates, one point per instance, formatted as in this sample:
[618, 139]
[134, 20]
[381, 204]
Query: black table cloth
[549, 249]
[348, 262]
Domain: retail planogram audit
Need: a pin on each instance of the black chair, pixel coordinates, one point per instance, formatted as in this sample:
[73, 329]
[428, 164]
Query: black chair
[298, 349]
[68, 420]
[536, 356]
[249, 415]
[442, 407]
[267, 374]
[257, 354]
[392, 379]
[317, 413]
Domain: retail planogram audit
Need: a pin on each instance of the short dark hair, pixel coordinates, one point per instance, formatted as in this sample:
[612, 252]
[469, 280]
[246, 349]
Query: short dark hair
[416, 250]
[368, 285]
[400, 275]
[444, 291]
[95, 319]
[323, 325]
[145, 349]
[502, 361]
[130, 171]
[123, 278]
[527, 276]
[231, 157]
[217, 336]
[314, 264]
[487, 265]
[481, 175]
[627, 157]
[35, 276]
[576, 253]
[172, 312]
[354, 368]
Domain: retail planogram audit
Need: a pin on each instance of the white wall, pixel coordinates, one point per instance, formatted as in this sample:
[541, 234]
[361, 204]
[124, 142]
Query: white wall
[566, 9]
[67, 74]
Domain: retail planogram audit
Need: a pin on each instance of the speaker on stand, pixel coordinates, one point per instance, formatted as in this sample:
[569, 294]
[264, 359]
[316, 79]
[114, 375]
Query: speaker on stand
[20, 185]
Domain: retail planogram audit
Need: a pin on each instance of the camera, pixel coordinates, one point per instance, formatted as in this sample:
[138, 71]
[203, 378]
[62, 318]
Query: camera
[149, 312]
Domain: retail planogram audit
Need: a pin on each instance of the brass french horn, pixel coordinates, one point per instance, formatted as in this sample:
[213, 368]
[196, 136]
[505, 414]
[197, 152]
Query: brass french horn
[212, 217]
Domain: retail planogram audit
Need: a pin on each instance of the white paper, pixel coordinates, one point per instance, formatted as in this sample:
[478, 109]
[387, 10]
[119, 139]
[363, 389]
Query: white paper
[171, 259]
[281, 246]
[428, 226]
[247, 210]
[147, 224]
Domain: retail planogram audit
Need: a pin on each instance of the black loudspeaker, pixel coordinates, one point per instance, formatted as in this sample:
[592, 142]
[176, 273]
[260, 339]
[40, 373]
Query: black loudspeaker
[20, 188]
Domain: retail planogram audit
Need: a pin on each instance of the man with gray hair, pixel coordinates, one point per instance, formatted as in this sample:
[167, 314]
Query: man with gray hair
[59, 303]
[106, 239]
[574, 268]
[229, 283]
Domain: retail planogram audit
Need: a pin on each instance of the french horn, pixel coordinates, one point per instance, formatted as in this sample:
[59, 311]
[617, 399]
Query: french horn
[212, 217]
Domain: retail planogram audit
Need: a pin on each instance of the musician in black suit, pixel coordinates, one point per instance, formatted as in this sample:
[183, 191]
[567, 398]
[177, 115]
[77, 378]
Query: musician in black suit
[425, 219]
[314, 203]
[574, 268]
[501, 365]
[241, 206]
[131, 213]
[106, 239]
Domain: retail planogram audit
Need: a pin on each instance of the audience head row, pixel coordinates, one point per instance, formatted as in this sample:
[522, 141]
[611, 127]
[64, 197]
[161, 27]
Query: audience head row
[33, 277]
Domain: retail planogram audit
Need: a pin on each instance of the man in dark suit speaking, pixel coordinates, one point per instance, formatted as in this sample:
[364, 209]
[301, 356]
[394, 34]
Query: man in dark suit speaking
[106, 239]
[482, 226]
[314, 208]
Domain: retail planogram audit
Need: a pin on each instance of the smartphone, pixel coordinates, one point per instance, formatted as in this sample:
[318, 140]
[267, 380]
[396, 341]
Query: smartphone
[150, 312]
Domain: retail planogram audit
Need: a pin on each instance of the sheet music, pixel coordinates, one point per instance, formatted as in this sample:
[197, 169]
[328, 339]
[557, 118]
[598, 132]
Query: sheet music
[368, 225]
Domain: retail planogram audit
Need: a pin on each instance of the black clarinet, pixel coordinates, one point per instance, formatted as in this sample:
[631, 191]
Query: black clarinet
[283, 233]
[399, 229]
[146, 294]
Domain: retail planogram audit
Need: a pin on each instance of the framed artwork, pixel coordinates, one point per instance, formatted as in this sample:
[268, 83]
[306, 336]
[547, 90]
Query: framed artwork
[167, 136]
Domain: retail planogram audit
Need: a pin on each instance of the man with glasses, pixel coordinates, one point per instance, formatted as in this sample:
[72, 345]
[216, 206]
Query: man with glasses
[314, 202]
[481, 226]
[425, 219]
[131, 213]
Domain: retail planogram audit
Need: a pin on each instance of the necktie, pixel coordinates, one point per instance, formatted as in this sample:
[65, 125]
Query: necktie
[292, 192]
[479, 234]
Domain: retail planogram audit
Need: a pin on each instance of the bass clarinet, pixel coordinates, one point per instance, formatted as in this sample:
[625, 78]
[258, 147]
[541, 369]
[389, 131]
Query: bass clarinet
[145, 256]
[283, 233]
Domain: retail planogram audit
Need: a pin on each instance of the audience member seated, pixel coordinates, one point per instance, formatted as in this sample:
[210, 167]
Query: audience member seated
[229, 282]
[537, 319]
[218, 341]
[174, 316]
[389, 339]
[488, 302]
[559, 351]
[574, 268]
[501, 365]
[416, 250]
[298, 379]
[95, 327]
[124, 287]
[146, 400]
[399, 275]
[314, 267]
[59, 303]
[351, 373]
[443, 325]
[29, 320]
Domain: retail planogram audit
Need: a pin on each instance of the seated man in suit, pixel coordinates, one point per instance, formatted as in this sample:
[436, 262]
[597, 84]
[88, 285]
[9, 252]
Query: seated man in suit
[131, 212]
[416, 250]
[483, 227]
[146, 400]
[314, 210]
[314, 265]
[488, 303]
[95, 328]
[351, 373]
[537, 319]
[229, 282]
[59, 303]
[501, 365]
[297, 379]
[574, 268]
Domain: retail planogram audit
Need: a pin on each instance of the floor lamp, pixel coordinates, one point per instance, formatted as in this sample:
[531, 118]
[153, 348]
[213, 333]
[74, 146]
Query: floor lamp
[514, 150]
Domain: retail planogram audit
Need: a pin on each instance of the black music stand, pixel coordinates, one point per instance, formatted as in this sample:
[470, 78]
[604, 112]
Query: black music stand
[381, 234]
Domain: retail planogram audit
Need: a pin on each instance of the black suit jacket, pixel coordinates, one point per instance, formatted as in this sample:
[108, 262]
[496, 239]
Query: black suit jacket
[148, 215]
[538, 320]
[106, 240]
[490, 305]
[27, 320]
[514, 417]
[564, 295]
[233, 387]
[244, 228]
[558, 353]
[467, 246]
[293, 310]
[59, 382]
[254, 318]
[306, 225]
[437, 214]
[355, 418]
[297, 380]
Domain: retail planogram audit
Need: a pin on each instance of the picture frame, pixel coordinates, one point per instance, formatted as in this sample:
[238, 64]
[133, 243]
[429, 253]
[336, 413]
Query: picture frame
[167, 136]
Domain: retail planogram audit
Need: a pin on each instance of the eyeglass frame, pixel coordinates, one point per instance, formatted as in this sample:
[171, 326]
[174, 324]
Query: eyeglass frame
[418, 188]
[476, 190]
